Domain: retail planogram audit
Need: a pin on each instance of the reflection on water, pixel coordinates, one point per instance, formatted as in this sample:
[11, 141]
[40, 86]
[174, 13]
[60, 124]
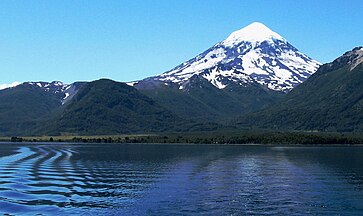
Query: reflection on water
[150, 179]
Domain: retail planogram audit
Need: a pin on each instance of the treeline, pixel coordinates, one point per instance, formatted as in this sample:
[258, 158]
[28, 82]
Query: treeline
[254, 138]
[303, 138]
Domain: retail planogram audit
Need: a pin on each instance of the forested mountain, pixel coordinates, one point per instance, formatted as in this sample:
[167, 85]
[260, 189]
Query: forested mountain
[330, 100]
[23, 106]
[108, 107]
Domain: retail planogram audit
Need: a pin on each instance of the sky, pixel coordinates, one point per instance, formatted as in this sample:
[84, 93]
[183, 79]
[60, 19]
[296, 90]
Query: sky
[84, 40]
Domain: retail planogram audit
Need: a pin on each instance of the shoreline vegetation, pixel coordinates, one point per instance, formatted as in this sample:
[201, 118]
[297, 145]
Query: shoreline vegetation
[283, 138]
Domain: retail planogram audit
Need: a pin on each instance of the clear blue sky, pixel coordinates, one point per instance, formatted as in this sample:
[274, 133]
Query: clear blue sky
[126, 40]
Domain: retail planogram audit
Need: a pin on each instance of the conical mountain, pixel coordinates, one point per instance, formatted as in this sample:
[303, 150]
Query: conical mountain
[254, 54]
[249, 70]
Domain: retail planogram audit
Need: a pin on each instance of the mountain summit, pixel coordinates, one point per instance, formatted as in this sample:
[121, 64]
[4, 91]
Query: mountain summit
[252, 55]
[255, 32]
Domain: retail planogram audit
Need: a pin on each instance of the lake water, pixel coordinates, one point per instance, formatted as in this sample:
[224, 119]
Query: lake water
[121, 179]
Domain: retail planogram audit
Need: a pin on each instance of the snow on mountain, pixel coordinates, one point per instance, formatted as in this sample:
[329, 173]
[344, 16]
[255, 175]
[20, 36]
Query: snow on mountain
[253, 33]
[55, 86]
[10, 85]
[252, 54]
[66, 91]
[356, 57]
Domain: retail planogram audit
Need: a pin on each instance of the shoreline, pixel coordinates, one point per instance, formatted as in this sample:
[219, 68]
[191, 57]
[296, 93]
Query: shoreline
[186, 144]
[255, 138]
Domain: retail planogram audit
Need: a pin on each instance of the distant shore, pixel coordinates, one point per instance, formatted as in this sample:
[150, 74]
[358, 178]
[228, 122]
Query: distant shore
[192, 144]
[220, 138]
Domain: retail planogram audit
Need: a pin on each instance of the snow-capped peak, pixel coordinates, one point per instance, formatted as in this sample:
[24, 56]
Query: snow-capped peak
[254, 54]
[255, 32]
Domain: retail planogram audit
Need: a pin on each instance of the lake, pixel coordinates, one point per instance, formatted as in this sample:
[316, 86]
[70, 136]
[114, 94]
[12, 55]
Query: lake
[137, 179]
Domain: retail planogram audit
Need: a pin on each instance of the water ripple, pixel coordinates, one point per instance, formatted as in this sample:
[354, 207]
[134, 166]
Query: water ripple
[179, 180]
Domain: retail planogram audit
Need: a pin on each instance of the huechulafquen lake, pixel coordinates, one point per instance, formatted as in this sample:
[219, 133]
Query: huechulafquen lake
[148, 179]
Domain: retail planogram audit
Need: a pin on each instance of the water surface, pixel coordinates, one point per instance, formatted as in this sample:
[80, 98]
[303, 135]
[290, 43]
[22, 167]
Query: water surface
[121, 179]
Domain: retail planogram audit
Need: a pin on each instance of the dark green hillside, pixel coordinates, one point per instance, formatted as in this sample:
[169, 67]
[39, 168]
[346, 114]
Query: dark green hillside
[109, 107]
[330, 100]
[201, 101]
[23, 106]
